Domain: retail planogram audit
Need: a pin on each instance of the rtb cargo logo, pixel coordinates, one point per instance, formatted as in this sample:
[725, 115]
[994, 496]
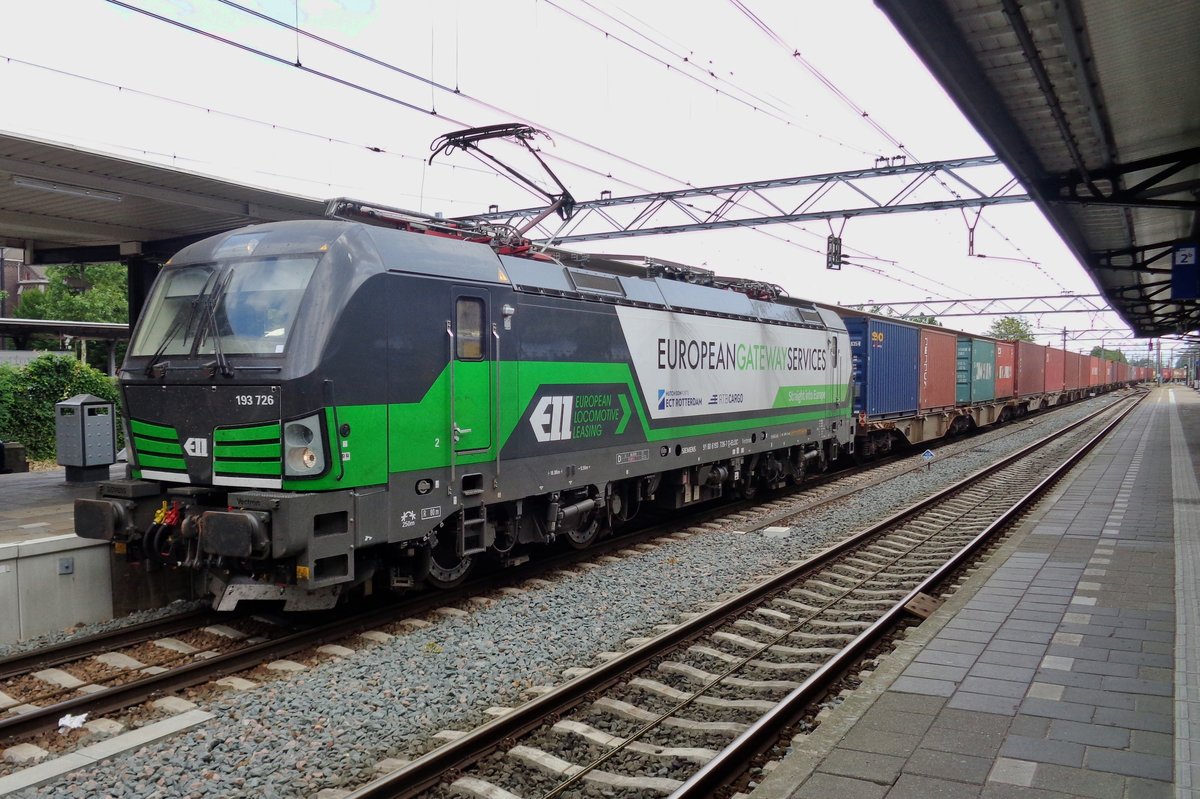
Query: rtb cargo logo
[573, 416]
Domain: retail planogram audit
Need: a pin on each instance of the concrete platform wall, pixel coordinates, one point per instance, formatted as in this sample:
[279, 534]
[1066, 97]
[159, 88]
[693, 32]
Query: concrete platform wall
[36, 597]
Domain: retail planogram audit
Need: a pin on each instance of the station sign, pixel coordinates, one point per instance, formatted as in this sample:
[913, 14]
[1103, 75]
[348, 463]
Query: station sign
[1185, 272]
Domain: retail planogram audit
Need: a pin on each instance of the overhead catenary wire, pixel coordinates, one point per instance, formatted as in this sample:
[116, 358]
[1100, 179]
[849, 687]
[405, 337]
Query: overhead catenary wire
[434, 85]
[862, 113]
[755, 102]
[242, 118]
[401, 102]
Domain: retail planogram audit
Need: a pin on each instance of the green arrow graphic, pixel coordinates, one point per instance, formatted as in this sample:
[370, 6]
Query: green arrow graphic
[624, 414]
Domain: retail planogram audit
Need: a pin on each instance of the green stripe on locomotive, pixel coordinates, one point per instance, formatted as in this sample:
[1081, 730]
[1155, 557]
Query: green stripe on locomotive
[412, 437]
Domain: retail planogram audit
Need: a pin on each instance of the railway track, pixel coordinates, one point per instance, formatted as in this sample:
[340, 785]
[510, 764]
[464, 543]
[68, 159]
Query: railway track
[64, 679]
[108, 641]
[685, 713]
[182, 668]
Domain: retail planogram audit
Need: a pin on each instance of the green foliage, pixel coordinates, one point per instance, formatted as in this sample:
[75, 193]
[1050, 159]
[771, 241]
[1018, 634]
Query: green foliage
[1011, 328]
[28, 395]
[923, 319]
[919, 318]
[79, 293]
[7, 380]
[1108, 355]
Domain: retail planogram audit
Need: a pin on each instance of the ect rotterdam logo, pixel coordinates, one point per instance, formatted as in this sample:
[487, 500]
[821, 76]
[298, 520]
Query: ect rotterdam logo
[676, 399]
[562, 418]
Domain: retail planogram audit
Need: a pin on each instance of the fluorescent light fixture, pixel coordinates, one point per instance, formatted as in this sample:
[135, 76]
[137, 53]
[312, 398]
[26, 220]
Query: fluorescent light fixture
[65, 188]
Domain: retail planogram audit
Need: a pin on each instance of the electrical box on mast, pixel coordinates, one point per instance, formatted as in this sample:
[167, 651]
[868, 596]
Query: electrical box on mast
[833, 252]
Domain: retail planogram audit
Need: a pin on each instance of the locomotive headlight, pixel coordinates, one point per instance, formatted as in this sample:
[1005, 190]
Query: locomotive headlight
[304, 453]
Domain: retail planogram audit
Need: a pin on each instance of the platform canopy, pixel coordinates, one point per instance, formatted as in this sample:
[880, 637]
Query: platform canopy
[64, 204]
[1095, 106]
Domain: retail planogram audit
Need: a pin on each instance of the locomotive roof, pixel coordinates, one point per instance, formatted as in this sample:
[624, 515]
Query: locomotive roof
[429, 248]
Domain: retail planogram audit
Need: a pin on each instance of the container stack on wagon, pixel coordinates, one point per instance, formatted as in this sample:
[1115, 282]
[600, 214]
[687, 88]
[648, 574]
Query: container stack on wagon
[1030, 369]
[919, 382]
[1056, 370]
[937, 369]
[975, 370]
[885, 356]
[1006, 358]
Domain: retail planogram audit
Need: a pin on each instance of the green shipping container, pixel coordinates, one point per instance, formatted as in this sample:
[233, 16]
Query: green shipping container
[983, 370]
[962, 372]
[975, 371]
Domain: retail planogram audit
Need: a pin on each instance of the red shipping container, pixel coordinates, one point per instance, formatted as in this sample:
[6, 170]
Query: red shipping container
[1074, 371]
[1005, 359]
[936, 379]
[1095, 371]
[1030, 369]
[1110, 373]
[1056, 370]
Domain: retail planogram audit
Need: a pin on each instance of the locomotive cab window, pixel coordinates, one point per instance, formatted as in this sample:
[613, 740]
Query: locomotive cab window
[469, 324]
[242, 307]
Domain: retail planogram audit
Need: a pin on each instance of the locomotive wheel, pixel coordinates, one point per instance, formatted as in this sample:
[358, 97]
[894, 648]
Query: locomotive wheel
[447, 569]
[585, 537]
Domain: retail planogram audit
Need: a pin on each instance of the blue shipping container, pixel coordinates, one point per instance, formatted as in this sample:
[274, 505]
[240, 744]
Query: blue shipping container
[884, 366]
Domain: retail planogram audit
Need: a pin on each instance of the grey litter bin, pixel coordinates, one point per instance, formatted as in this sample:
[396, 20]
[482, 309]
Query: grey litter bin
[85, 432]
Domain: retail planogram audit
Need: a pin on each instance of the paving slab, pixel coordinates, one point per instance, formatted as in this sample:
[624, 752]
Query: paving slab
[1066, 665]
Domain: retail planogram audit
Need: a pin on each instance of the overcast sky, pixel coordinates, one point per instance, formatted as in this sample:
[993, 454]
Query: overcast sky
[637, 97]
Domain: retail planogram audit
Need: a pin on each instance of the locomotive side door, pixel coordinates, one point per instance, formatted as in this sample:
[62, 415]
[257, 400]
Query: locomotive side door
[471, 354]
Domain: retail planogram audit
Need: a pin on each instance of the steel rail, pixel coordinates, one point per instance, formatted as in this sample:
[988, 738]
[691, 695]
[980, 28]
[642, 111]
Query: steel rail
[425, 772]
[735, 758]
[129, 694]
[45, 657]
[122, 696]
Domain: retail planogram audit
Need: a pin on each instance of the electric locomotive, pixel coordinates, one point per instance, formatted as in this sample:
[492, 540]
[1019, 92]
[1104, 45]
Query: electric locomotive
[312, 406]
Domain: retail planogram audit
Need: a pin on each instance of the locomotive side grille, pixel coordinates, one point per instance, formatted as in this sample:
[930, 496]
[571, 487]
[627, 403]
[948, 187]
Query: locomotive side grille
[157, 447]
[248, 455]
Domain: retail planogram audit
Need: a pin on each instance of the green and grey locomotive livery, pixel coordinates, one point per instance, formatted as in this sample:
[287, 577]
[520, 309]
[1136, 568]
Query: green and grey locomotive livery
[317, 405]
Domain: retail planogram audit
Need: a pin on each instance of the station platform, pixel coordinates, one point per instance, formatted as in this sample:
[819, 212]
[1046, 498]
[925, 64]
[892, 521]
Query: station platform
[1065, 666]
[49, 578]
[36, 505]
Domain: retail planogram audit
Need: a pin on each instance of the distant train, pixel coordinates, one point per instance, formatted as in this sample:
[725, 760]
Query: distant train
[915, 383]
[383, 399]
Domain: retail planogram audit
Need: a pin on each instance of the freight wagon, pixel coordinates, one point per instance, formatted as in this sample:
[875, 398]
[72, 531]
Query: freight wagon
[902, 371]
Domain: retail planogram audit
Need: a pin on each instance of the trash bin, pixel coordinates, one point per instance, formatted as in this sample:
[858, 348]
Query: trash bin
[85, 431]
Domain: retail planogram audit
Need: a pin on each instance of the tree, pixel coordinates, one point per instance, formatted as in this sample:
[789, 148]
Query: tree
[28, 394]
[81, 293]
[923, 319]
[920, 318]
[1108, 355]
[1010, 328]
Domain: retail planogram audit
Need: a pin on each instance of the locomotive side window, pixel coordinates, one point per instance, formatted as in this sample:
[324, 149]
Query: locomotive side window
[469, 313]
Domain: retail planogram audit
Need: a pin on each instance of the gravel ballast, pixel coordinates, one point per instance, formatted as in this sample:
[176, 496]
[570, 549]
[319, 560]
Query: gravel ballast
[329, 726]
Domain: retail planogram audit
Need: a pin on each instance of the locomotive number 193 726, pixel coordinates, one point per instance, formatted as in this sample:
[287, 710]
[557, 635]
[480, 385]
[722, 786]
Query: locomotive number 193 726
[254, 399]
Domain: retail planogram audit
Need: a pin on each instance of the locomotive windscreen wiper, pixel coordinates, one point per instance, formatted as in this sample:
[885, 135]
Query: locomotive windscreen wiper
[209, 327]
[180, 321]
